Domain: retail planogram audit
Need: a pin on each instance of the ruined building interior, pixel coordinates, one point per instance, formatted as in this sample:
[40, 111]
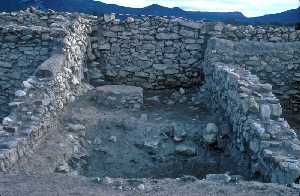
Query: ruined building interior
[148, 97]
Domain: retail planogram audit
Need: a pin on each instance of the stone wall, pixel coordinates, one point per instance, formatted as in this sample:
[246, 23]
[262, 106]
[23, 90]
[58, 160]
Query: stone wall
[257, 33]
[33, 17]
[37, 105]
[275, 63]
[156, 52]
[22, 49]
[27, 39]
[151, 52]
[255, 115]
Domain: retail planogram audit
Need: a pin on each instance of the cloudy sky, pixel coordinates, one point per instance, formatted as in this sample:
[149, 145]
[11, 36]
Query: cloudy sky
[247, 7]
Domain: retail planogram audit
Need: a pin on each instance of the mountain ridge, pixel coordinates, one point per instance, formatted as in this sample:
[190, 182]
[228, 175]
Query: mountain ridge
[98, 7]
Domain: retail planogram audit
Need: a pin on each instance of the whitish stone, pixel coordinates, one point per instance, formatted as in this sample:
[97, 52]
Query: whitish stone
[7, 120]
[259, 129]
[75, 80]
[113, 139]
[220, 178]
[20, 93]
[253, 105]
[144, 117]
[265, 112]
[108, 180]
[129, 20]
[75, 127]
[185, 150]
[254, 146]
[141, 187]
[210, 133]
[27, 84]
[72, 98]
[109, 17]
[276, 110]
[160, 66]
[182, 91]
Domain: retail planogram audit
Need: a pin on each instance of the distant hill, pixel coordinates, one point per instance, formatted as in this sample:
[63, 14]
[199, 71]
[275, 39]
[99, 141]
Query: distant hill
[97, 8]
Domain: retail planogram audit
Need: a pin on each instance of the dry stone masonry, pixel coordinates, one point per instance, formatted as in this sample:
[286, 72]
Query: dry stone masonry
[41, 96]
[47, 59]
[120, 96]
[156, 53]
[274, 63]
[255, 115]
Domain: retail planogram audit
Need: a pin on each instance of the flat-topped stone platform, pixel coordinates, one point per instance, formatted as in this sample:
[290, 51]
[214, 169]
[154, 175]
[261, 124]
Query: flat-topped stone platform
[120, 96]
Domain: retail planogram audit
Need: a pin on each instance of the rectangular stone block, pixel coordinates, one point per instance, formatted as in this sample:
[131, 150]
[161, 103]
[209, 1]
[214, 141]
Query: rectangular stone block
[120, 96]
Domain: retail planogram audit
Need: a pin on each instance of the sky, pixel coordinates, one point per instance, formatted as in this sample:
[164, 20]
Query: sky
[249, 8]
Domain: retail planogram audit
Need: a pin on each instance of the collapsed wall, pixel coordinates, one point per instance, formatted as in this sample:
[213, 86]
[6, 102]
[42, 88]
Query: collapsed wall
[254, 112]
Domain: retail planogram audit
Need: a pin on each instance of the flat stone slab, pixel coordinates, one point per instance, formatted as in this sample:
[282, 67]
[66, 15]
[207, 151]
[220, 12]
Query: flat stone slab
[120, 96]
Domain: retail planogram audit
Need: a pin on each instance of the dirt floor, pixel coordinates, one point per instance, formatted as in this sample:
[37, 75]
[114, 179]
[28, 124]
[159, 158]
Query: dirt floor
[61, 185]
[162, 140]
[155, 151]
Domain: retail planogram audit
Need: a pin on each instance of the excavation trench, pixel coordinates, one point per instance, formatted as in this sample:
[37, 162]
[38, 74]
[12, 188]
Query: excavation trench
[162, 139]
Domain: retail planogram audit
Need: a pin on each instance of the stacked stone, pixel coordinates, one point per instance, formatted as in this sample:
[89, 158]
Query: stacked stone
[55, 82]
[155, 52]
[28, 38]
[260, 33]
[151, 52]
[22, 49]
[34, 17]
[275, 63]
[255, 115]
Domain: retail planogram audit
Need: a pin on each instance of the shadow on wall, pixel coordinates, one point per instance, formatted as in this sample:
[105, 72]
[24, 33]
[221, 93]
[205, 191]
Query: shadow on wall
[252, 108]
[297, 27]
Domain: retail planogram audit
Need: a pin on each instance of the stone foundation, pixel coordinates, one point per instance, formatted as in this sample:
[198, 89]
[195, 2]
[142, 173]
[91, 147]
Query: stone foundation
[120, 96]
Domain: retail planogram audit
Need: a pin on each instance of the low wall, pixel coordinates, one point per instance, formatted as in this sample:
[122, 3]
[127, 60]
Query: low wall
[22, 49]
[255, 115]
[28, 38]
[274, 63]
[36, 107]
[34, 17]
